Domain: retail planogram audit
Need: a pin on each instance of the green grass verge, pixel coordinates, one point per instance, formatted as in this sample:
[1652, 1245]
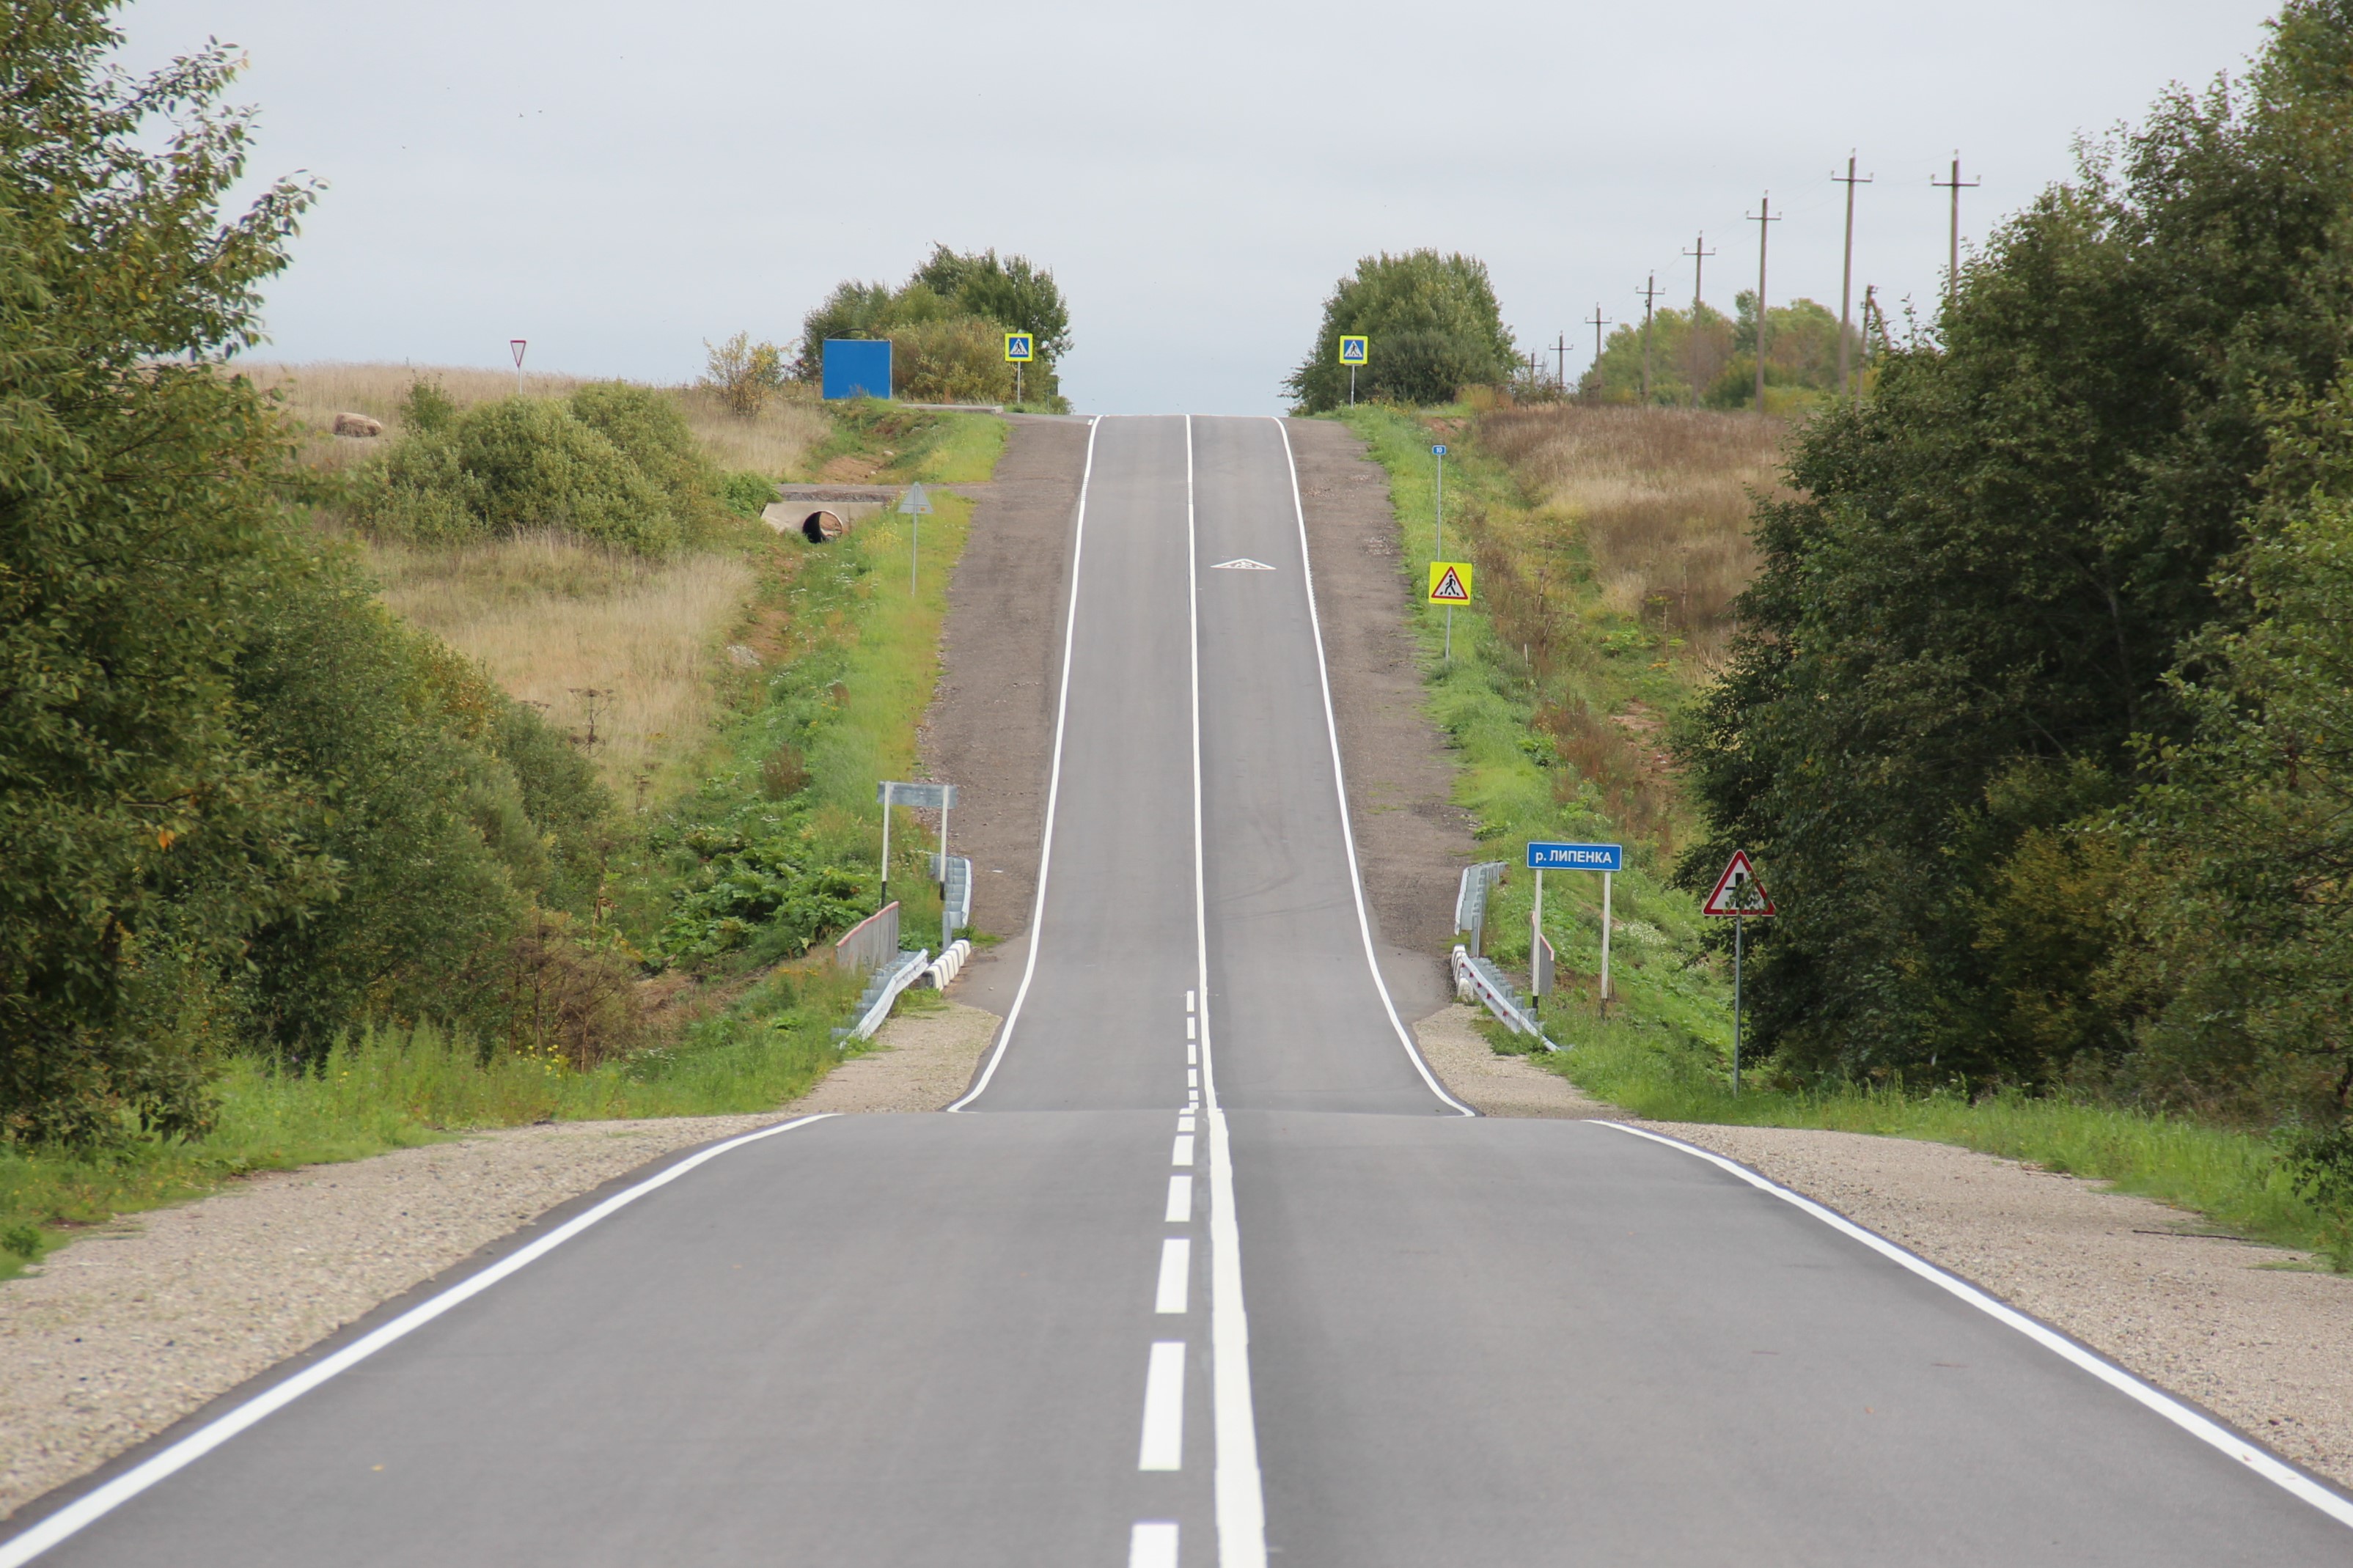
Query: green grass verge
[865, 663]
[1665, 1050]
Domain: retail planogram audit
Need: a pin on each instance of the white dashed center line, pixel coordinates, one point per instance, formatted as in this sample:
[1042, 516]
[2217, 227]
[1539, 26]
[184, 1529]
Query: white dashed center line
[1176, 1275]
[1184, 1154]
[1181, 1200]
[1153, 1545]
[1163, 1408]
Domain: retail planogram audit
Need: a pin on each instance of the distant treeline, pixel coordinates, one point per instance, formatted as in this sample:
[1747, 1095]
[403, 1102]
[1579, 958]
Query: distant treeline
[947, 324]
[1718, 356]
[2039, 722]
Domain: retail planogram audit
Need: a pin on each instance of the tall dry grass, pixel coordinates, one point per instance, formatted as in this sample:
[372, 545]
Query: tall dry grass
[772, 442]
[608, 645]
[1661, 497]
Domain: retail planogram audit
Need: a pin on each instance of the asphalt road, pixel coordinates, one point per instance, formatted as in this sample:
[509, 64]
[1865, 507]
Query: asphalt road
[1210, 1271]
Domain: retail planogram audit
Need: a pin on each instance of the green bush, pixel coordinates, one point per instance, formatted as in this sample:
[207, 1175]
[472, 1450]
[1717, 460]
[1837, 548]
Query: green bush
[960, 359]
[747, 494]
[525, 464]
[427, 406]
[1435, 327]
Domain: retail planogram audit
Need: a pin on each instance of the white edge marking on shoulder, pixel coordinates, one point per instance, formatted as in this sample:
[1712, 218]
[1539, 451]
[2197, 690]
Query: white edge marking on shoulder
[84, 1511]
[1340, 781]
[1053, 787]
[2207, 1430]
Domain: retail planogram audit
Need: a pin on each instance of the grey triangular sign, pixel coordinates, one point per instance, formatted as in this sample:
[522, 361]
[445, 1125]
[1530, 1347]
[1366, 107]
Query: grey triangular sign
[916, 503]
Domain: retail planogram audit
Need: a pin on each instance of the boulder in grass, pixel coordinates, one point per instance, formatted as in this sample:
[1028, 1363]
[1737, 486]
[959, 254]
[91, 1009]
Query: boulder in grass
[357, 425]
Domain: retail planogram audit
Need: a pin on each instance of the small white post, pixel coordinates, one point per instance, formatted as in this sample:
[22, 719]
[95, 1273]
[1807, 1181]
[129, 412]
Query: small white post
[1535, 933]
[1604, 944]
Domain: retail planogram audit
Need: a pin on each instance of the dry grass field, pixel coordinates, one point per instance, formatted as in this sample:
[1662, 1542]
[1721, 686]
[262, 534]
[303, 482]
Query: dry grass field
[1662, 497]
[620, 653]
[771, 443]
[606, 643]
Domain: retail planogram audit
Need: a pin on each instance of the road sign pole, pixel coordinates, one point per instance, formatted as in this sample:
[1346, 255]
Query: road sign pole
[1351, 376]
[1604, 944]
[1535, 934]
[1438, 550]
[1739, 922]
[885, 900]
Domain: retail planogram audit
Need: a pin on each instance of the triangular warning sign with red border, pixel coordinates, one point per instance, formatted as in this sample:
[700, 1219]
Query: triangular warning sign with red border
[1737, 891]
[1449, 589]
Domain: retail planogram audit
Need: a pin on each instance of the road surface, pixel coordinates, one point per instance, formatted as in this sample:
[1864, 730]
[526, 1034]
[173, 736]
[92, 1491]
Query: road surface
[1207, 1268]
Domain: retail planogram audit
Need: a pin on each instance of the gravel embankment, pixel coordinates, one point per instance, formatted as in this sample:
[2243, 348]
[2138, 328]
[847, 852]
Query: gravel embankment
[121, 1335]
[2252, 1333]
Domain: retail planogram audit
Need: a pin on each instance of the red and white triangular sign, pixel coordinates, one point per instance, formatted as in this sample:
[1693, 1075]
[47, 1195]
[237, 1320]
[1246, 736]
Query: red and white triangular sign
[1449, 589]
[1737, 891]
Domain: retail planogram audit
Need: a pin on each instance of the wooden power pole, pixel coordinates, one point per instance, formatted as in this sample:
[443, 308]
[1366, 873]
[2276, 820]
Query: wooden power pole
[1846, 277]
[1597, 323]
[1953, 255]
[1560, 361]
[1699, 253]
[1764, 219]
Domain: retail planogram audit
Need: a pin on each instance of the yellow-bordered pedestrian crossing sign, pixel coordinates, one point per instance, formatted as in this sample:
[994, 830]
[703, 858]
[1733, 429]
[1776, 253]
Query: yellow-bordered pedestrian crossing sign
[1020, 348]
[1352, 350]
[1450, 582]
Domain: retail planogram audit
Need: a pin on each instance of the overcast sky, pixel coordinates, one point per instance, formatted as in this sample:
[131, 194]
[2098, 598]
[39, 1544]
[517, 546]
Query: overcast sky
[617, 182]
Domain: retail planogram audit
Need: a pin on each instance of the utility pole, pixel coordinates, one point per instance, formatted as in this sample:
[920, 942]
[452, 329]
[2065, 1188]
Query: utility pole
[1600, 321]
[1560, 361]
[1699, 253]
[1764, 219]
[1846, 279]
[1650, 293]
[1956, 185]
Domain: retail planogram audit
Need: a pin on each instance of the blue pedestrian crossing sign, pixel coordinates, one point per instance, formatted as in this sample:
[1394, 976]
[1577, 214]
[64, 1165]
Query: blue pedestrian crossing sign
[1352, 350]
[1020, 348]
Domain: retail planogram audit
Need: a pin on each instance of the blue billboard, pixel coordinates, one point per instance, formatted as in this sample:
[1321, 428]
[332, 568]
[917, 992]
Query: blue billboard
[857, 367]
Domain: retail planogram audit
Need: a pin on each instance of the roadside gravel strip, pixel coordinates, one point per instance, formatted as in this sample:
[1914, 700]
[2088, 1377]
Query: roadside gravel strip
[121, 1335]
[2250, 1333]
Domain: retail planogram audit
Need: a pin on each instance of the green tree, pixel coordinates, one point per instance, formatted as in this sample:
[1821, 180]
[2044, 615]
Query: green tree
[1434, 325]
[137, 535]
[1014, 293]
[1969, 620]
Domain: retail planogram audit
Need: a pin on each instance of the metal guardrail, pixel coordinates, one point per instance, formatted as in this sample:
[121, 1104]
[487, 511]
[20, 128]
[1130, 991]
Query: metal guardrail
[1470, 900]
[881, 991]
[955, 896]
[871, 942]
[1485, 983]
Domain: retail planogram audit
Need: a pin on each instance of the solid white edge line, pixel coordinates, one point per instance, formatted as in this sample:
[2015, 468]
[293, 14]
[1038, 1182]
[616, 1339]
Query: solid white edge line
[1163, 1445]
[1241, 1491]
[86, 1510]
[1176, 1275]
[1340, 782]
[1054, 785]
[2212, 1433]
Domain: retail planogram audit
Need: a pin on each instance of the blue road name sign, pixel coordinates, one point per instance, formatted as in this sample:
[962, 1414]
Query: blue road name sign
[1439, 451]
[1577, 857]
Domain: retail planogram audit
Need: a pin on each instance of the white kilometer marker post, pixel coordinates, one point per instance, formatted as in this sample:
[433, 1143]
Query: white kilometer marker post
[1154, 1545]
[1181, 1200]
[1183, 1155]
[1164, 1409]
[1176, 1275]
